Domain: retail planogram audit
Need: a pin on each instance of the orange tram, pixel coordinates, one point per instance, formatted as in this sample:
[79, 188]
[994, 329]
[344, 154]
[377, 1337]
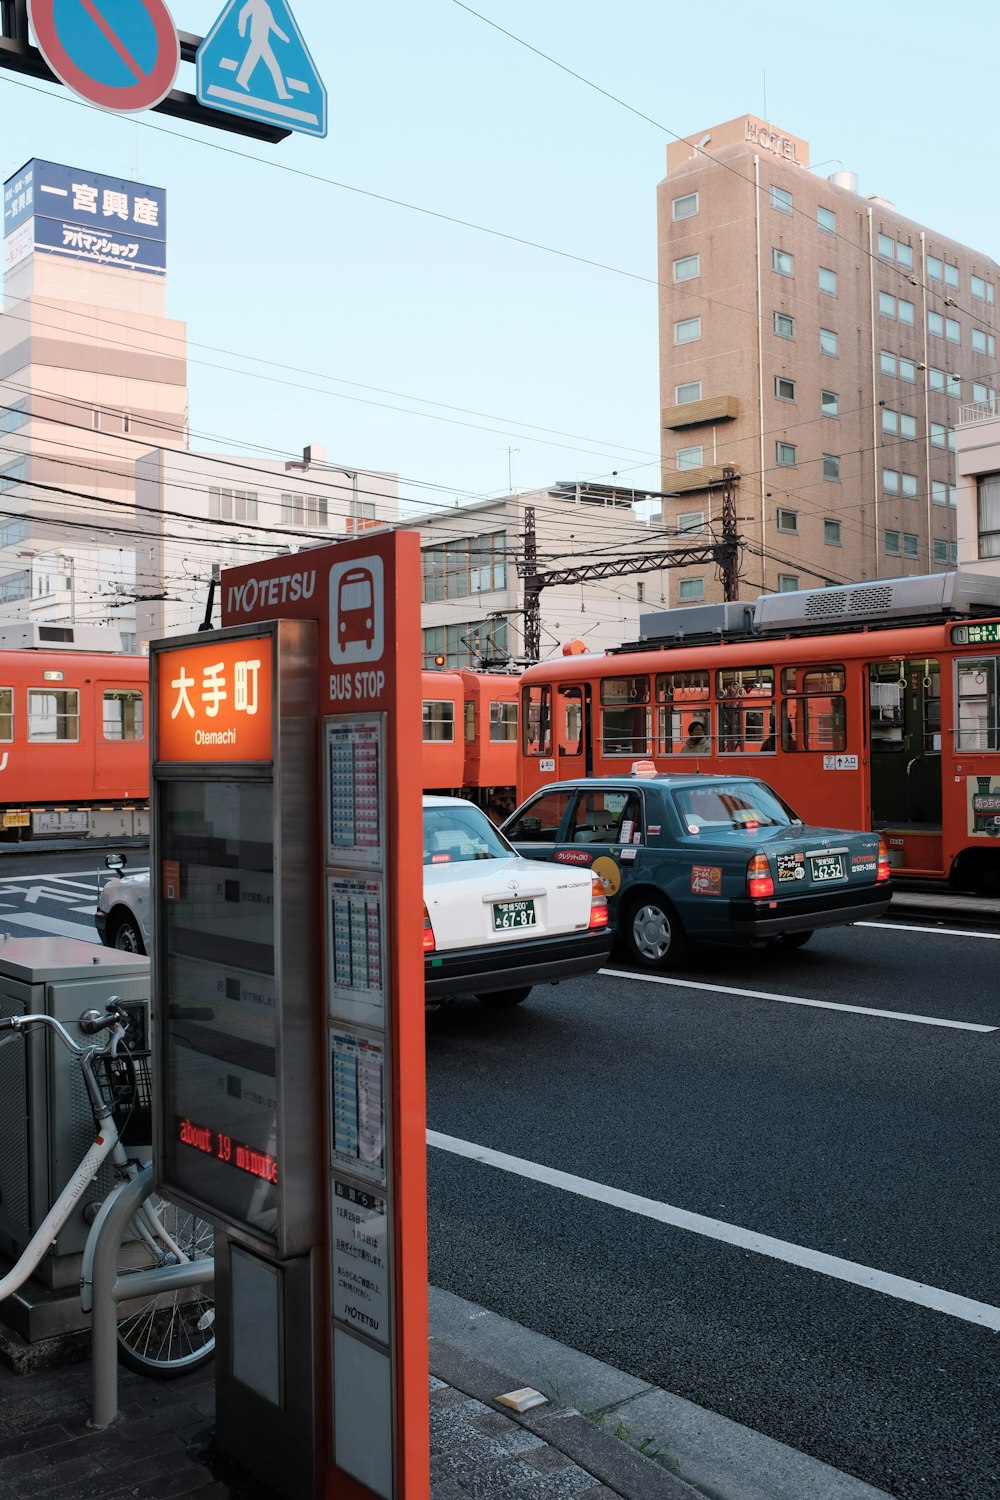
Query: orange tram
[873, 705]
[74, 745]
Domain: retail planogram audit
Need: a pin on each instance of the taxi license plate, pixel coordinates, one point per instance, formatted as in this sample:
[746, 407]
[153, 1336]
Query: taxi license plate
[16, 820]
[827, 867]
[508, 914]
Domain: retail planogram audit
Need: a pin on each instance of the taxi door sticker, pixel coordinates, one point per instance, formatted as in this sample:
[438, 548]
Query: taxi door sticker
[608, 873]
[706, 880]
[791, 866]
[572, 857]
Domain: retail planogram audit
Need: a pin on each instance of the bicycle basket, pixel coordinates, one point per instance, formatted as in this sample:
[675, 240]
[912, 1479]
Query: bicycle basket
[127, 1087]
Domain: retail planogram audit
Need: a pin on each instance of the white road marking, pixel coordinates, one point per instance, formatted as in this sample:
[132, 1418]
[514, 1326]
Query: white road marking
[857, 1010]
[916, 1292]
[938, 931]
[53, 925]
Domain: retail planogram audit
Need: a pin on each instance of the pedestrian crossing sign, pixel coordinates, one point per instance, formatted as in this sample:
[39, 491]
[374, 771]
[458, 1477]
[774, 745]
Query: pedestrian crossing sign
[254, 62]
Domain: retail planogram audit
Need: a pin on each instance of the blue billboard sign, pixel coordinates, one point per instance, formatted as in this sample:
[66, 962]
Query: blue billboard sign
[85, 216]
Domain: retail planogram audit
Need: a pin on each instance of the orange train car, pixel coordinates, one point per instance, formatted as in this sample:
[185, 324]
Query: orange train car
[470, 724]
[74, 751]
[876, 705]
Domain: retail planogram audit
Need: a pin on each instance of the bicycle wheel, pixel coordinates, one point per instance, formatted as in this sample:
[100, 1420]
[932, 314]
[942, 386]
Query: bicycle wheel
[172, 1333]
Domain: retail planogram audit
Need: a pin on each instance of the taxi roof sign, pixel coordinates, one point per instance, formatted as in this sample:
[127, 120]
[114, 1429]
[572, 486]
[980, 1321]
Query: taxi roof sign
[643, 768]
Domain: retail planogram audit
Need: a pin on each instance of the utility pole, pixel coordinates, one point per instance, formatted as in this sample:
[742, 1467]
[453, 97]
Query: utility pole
[729, 541]
[532, 589]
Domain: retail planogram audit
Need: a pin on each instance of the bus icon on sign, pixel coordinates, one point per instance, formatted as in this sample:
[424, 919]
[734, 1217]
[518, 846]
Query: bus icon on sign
[356, 611]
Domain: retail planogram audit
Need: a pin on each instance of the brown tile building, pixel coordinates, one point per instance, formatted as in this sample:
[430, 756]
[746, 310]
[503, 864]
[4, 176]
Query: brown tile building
[821, 343]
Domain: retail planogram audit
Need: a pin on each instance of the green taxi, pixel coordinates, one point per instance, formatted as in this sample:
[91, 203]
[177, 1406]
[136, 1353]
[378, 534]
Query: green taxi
[689, 857]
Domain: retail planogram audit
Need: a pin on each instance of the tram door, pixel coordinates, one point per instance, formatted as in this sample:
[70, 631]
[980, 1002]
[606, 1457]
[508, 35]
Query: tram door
[904, 699]
[573, 738]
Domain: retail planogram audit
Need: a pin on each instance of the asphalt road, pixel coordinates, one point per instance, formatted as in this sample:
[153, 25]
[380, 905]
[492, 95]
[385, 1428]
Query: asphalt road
[870, 1140]
[866, 1145]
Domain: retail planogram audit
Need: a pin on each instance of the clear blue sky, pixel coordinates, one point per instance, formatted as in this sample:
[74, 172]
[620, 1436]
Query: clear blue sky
[430, 105]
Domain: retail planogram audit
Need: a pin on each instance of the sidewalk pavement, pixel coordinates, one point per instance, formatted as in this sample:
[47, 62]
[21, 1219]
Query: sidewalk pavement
[602, 1433]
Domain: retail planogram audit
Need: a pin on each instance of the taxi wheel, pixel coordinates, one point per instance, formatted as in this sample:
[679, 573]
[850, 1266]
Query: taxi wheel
[653, 934]
[501, 999]
[126, 935]
[795, 939]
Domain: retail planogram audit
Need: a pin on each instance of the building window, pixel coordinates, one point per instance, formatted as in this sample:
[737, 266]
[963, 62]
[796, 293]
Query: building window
[15, 586]
[952, 330]
[939, 492]
[828, 281]
[690, 458]
[886, 304]
[687, 331]
[954, 387]
[983, 392]
[890, 421]
[13, 531]
[939, 435]
[469, 565]
[784, 454]
[904, 256]
[911, 545]
[829, 403]
[788, 583]
[685, 207]
[826, 220]
[935, 324]
[781, 200]
[908, 483]
[784, 389]
[788, 520]
[907, 370]
[687, 268]
[890, 481]
[940, 551]
[784, 326]
[691, 590]
[782, 262]
[689, 391]
[988, 504]
[236, 505]
[907, 426]
[905, 311]
[983, 343]
[13, 474]
[892, 543]
[981, 290]
[462, 645]
[935, 379]
[886, 247]
[831, 466]
[887, 362]
[12, 417]
[831, 533]
[827, 341]
[691, 523]
[934, 268]
[951, 275]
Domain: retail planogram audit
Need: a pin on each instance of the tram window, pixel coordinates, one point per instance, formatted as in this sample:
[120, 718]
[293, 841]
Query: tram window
[6, 715]
[625, 725]
[813, 680]
[680, 697]
[816, 723]
[123, 715]
[503, 721]
[746, 718]
[540, 821]
[438, 721]
[537, 720]
[53, 715]
[977, 704]
[571, 739]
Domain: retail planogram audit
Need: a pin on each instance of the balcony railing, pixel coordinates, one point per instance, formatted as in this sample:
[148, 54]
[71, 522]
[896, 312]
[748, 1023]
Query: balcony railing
[979, 411]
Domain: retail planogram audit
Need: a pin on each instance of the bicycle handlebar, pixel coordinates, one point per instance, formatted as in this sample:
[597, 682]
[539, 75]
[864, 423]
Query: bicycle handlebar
[90, 1022]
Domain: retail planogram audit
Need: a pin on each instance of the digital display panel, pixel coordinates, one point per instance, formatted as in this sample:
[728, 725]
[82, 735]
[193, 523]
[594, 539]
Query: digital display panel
[220, 997]
[982, 633]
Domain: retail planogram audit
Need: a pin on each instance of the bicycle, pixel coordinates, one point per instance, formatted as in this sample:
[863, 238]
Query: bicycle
[169, 1333]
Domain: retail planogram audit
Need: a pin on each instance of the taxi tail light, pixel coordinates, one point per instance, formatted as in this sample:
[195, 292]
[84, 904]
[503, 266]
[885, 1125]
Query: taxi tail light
[598, 905]
[759, 879]
[429, 943]
[884, 867]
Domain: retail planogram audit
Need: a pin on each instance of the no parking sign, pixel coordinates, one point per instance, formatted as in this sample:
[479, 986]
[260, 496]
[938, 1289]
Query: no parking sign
[121, 55]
